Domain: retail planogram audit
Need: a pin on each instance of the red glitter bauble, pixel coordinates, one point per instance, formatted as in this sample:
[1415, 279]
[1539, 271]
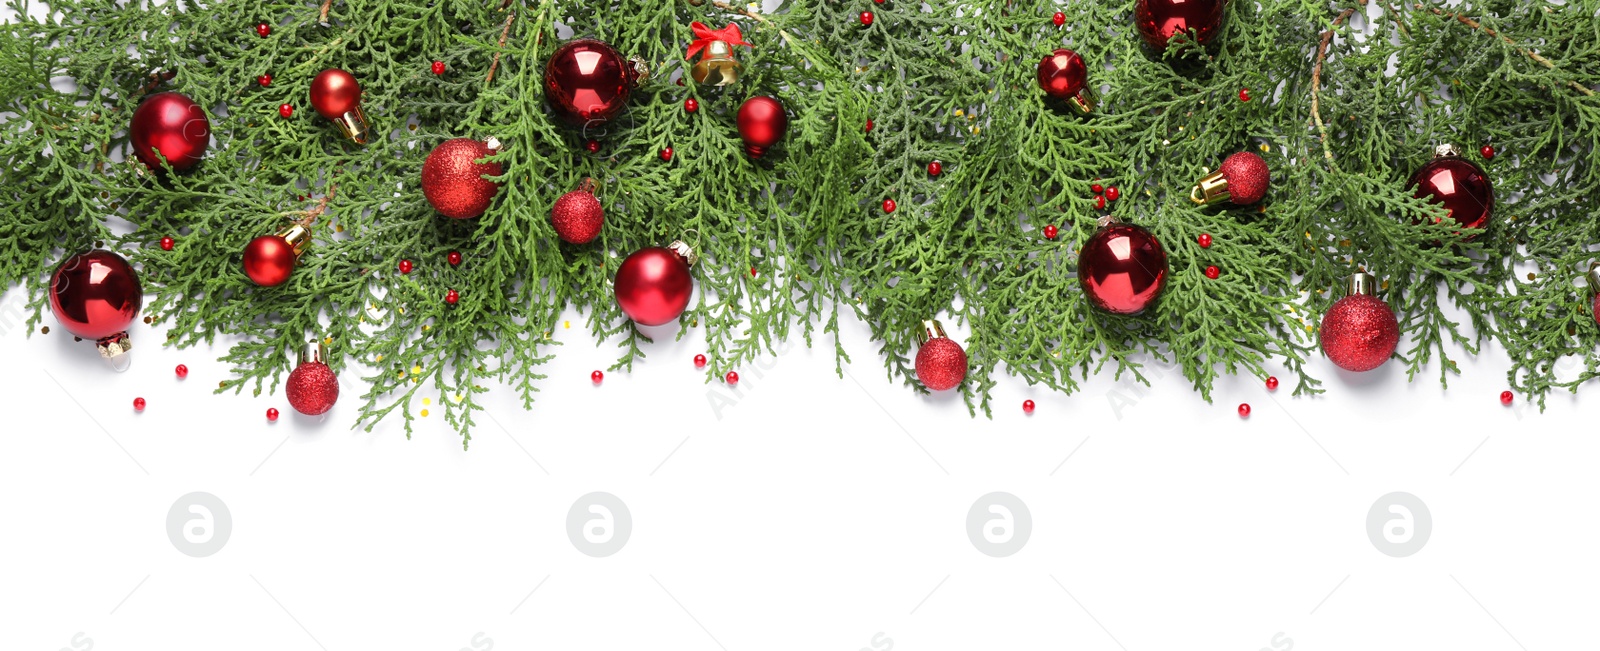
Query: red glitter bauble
[1063, 74]
[586, 82]
[269, 260]
[1359, 333]
[173, 125]
[653, 286]
[762, 124]
[312, 388]
[1122, 268]
[1461, 186]
[578, 216]
[1247, 177]
[941, 364]
[96, 294]
[1159, 21]
[452, 178]
[334, 93]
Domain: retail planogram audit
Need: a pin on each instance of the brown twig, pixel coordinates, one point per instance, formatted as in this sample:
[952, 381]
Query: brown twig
[309, 217]
[1316, 80]
[503, 34]
[326, 5]
[1548, 64]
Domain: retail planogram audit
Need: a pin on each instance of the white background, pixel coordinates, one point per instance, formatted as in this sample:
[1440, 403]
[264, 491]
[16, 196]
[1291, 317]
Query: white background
[800, 511]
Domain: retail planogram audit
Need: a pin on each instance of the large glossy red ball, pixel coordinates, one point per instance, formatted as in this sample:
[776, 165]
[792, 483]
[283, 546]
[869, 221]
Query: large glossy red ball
[1359, 333]
[1595, 309]
[653, 286]
[1063, 74]
[312, 388]
[1247, 177]
[1122, 268]
[1161, 20]
[1461, 186]
[173, 125]
[577, 217]
[334, 93]
[269, 260]
[586, 82]
[452, 178]
[95, 294]
[762, 123]
[941, 364]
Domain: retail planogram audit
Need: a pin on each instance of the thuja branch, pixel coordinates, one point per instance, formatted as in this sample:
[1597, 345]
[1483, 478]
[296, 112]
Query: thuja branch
[1548, 64]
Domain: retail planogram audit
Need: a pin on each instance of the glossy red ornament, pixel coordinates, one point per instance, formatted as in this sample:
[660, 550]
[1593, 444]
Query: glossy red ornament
[1213, 272]
[172, 124]
[138, 404]
[312, 387]
[286, 111]
[272, 415]
[1506, 397]
[1486, 152]
[405, 266]
[167, 243]
[264, 80]
[1064, 78]
[889, 206]
[452, 178]
[1159, 21]
[1244, 410]
[96, 295]
[592, 146]
[263, 30]
[1272, 383]
[866, 18]
[438, 67]
[578, 216]
[1099, 202]
[1460, 185]
[182, 371]
[586, 82]
[596, 377]
[762, 123]
[1113, 194]
[1096, 188]
[653, 285]
[337, 96]
[1050, 231]
[1360, 332]
[452, 297]
[869, 126]
[666, 154]
[1242, 180]
[1244, 94]
[752, 272]
[699, 361]
[941, 362]
[1059, 19]
[935, 168]
[732, 378]
[269, 260]
[1122, 268]
[1027, 406]
[454, 258]
[691, 105]
[1204, 240]
[1595, 309]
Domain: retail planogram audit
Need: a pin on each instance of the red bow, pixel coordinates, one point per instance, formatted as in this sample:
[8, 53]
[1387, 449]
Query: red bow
[705, 36]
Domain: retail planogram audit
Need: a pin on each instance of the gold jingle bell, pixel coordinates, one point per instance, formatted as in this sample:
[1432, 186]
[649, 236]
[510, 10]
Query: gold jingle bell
[716, 66]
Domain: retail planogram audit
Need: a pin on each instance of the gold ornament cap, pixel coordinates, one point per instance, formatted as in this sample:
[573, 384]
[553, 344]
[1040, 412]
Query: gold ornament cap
[717, 66]
[1446, 150]
[312, 351]
[298, 236]
[114, 346]
[1210, 189]
[1084, 102]
[1594, 276]
[1362, 283]
[354, 126]
[684, 251]
[639, 68]
[931, 329]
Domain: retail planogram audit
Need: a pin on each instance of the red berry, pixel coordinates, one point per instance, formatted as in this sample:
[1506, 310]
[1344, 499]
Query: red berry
[1099, 202]
[1244, 410]
[405, 266]
[1096, 188]
[182, 371]
[1027, 405]
[597, 376]
[935, 168]
[138, 404]
[1050, 231]
[286, 110]
[1213, 272]
[272, 415]
[1205, 240]
[699, 361]
[889, 205]
[454, 258]
[438, 67]
[264, 80]
[869, 126]
[1272, 383]
[452, 297]
[1112, 193]
[732, 377]
[593, 146]
[264, 30]
[1506, 397]
[1244, 94]
[1487, 152]
[691, 105]
[166, 243]
[666, 154]
[1059, 19]
[866, 18]
[752, 272]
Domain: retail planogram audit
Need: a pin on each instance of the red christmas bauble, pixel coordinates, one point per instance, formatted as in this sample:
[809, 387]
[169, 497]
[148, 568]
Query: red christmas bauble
[653, 286]
[1122, 268]
[1461, 186]
[1063, 74]
[1161, 20]
[452, 178]
[941, 364]
[173, 125]
[1595, 309]
[586, 82]
[95, 294]
[312, 388]
[578, 216]
[762, 124]
[334, 93]
[1247, 177]
[269, 260]
[1359, 333]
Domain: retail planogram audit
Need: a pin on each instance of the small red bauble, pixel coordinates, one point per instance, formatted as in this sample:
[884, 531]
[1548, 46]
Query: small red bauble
[269, 260]
[869, 126]
[1096, 188]
[1213, 272]
[1050, 231]
[889, 205]
[1122, 268]
[1272, 383]
[935, 168]
[866, 18]
[731, 378]
[1460, 185]
[334, 93]
[272, 415]
[138, 404]
[452, 178]
[691, 105]
[172, 124]
[1244, 94]
[1062, 74]
[752, 272]
[596, 377]
[263, 30]
[405, 266]
[1486, 152]
[1244, 410]
[438, 67]
[454, 258]
[167, 243]
[762, 123]
[941, 362]
[1159, 21]
[1595, 309]
[452, 297]
[1242, 179]
[1360, 332]
[1099, 202]
[286, 110]
[96, 295]
[1027, 406]
[1506, 397]
[666, 154]
[593, 146]
[264, 80]
[312, 387]
[653, 285]
[1204, 240]
[1059, 19]
[699, 361]
[578, 216]
[586, 82]
[1112, 194]
[182, 371]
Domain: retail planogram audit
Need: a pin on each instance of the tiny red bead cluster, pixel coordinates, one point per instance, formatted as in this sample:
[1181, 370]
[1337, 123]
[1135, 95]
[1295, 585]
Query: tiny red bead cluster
[1059, 19]
[138, 404]
[1027, 406]
[286, 110]
[1204, 240]
[866, 18]
[264, 80]
[272, 415]
[438, 67]
[454, 258]
[452, 297]
[935, 168]
[666, 154]
[1487, 152]
[1244, 94]
[1244, 410]
[596, 377]
[699, 361]
[731, 378]
[1213, 272]
[167, 243]
[263, 30]
[889, 205]
[1272, 383]
[1050, 231]
[182, 371]
[405, 266]
[1506, 397]
[691, 105]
